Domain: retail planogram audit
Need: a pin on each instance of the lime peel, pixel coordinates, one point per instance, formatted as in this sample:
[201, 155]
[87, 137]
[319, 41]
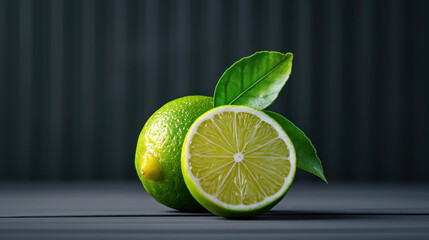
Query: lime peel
[150, 167]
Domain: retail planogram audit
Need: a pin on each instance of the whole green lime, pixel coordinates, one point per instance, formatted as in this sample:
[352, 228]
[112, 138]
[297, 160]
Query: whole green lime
[159, 148]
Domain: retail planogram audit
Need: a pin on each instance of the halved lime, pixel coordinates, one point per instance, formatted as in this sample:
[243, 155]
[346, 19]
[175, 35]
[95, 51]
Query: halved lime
[237, 161]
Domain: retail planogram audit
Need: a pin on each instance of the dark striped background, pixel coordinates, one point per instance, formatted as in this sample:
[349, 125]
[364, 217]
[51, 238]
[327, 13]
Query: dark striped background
[78, 79]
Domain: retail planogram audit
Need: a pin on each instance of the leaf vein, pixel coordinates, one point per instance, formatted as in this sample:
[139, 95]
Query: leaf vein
[258, 81]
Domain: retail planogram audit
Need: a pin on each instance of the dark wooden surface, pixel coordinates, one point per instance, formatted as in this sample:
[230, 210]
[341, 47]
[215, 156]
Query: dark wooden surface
[122, 210]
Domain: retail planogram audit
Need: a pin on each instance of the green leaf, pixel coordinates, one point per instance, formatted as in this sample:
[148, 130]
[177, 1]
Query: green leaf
[306, 155]
[254, 81]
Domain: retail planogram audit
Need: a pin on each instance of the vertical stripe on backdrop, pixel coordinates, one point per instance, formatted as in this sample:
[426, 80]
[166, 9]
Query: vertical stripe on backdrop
[332, 88]
[26, 85]
[86, 141]
[212, 46]
[3, 138]
[362, 167]
[52, 163]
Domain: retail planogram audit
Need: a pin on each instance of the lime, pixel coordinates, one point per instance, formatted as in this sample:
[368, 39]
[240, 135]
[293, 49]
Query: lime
[159, 147]
[237, 161]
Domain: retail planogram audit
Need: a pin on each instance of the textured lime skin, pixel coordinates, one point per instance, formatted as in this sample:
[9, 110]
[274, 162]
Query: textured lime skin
[165, 132]
[214, 207]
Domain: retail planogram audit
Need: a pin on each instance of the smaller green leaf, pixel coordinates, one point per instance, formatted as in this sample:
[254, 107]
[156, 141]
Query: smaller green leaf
[254, 81]
[306, 154]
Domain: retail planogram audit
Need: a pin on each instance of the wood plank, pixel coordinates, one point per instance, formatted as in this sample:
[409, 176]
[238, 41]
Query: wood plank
[122, 210]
